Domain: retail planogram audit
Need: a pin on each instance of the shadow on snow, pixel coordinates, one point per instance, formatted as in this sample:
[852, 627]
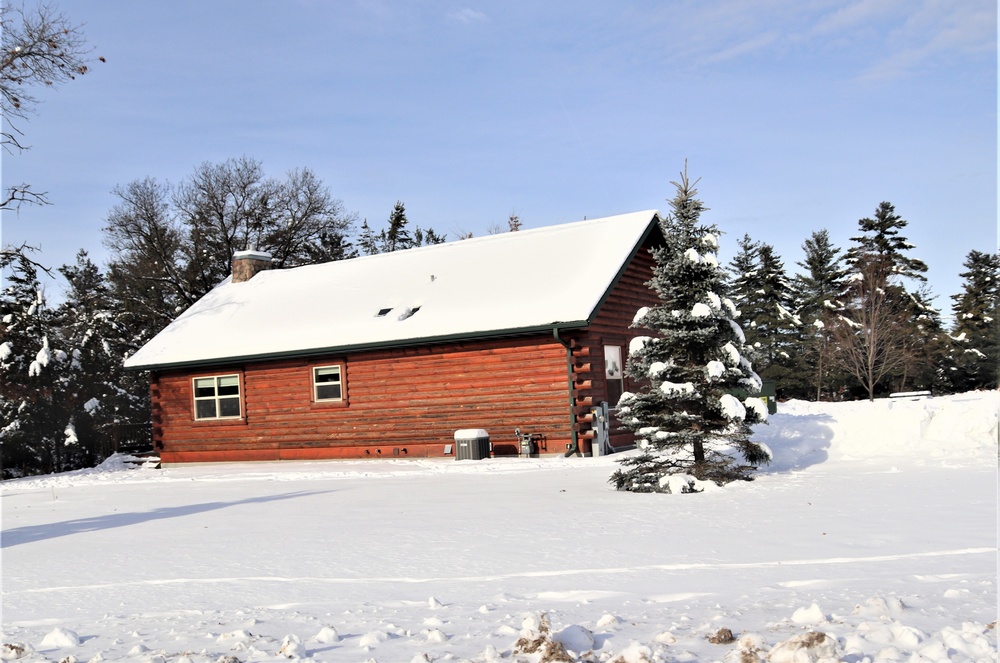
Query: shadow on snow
[33, 533]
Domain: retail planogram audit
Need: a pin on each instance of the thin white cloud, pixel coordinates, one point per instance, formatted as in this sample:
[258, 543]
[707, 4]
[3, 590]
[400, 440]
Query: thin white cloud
[877, 38]
[468, 16]
[939, 30]
[752, 45]
[861, 13]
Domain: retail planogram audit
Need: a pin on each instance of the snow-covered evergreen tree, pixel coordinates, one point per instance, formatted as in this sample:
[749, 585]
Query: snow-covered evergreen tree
[690, 419]
[766, 300]
[976, 331]
[743, 269]
[882, 244]
[33, 424]
[99, 392]
[821, 294]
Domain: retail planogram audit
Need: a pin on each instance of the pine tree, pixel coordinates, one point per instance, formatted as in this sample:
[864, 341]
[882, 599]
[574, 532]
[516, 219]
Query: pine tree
[821, 294]
[976, 331]
[396, 237]
[514, 222]
[925, 351]
[367, 240]
[99, 393]
[884, 323]
[766, 301]
[882, 244]
[427, 237]
[32, 424]
[743, 270]
[689, 420]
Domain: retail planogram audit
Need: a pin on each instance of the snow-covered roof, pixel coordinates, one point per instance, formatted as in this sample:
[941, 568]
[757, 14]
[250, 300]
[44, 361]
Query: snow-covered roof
[487, 286]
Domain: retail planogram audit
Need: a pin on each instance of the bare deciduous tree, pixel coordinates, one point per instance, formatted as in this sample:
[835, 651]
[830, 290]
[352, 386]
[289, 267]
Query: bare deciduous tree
[41, 48]
[171, 245]
[871, 334]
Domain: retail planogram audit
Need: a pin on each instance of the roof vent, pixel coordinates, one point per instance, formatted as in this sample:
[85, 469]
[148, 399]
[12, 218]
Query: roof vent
[407, 312]
[248, 263]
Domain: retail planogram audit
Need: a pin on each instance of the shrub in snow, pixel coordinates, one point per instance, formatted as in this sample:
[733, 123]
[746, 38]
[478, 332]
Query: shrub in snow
[372, 638]
[687, 417]
[812, 647]
[11, 651]
[811, 615]
[723, 636]
[435, 636]
[750, 648]
[576, 638]
[60, 637]
[634, 653]
[879, 608]
[291, 647]
[536, 638]
[607, 620]
[327, 635]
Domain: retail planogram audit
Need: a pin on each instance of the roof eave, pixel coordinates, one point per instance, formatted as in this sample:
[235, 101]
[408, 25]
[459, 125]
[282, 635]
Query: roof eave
[363, 347]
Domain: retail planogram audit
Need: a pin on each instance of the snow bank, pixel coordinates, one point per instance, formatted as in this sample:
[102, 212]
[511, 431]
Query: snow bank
[948, 429]
[433, 560]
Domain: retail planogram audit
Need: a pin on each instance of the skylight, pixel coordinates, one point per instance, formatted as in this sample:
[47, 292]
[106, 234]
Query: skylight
[408, 312]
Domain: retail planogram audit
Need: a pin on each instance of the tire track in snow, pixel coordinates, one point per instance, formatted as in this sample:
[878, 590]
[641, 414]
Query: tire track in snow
[694, 566]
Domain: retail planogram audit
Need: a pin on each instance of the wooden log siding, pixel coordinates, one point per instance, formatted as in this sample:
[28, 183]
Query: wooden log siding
[612, 326]
[398, 403]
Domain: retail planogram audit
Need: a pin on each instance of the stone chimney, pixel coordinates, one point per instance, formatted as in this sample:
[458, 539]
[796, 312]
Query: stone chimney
[248, 263]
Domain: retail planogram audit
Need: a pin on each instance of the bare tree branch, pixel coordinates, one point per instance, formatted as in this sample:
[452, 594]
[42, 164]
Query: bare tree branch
[40, 48]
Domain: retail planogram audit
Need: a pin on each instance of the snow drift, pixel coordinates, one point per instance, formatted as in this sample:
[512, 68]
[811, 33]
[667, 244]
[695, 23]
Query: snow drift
[871, 537]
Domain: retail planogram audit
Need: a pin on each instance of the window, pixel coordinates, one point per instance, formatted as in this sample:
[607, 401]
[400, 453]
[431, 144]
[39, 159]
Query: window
[613, 373]
[327, 384]
[217, 397]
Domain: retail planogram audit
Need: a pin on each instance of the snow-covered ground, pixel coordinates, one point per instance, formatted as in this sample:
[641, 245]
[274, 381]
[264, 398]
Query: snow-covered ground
[876, 525]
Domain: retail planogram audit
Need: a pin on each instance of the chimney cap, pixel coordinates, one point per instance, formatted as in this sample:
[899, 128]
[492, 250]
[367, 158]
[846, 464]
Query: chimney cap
[251, 254]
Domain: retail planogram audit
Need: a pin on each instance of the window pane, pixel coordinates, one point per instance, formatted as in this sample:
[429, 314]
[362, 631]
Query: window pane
[229, 385]
[328, 374]
[204, 409]
[229, 407]
[613, 371]
[204, 387]
[327, 392]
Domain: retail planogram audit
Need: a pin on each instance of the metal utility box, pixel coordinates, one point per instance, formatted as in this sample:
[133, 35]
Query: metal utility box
[472, 444]
[767, 394]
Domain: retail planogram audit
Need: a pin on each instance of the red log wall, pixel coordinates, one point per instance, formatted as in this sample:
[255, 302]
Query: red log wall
[398, 403]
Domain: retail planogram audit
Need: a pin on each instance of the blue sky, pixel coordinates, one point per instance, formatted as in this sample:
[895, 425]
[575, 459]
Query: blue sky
[796, 115]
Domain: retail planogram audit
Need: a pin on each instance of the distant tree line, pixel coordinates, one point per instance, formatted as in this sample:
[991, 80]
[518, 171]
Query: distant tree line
[848, 324]
[860, 323]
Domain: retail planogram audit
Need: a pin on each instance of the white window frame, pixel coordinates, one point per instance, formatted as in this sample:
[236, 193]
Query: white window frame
[216, 398]
[339, 383]
[614, 371]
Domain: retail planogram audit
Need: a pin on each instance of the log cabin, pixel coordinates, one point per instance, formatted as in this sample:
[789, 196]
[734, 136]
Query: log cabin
[387, 356]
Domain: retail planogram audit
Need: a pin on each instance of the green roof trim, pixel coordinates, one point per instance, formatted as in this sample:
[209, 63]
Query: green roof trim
[365, 347]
